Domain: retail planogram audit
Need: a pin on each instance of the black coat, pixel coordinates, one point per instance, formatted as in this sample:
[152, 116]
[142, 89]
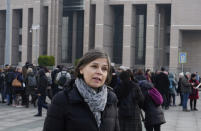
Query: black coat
[42, 83]
[130, 100]
[162, 83]
[69, 112]
[153, 114]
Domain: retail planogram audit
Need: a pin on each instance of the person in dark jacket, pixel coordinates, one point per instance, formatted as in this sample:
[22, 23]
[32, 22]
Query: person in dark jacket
[31, 87]
[162, 83]
[130, 100]
[186, 89]
[194, 95]
[42, 84]
[154, 115]
[2, 85]
[18, 91]
[139, 76]
[9, 77]
[86, 103]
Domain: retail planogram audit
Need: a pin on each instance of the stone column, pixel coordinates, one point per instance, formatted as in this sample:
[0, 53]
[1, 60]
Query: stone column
[104, 26]
[57, 30]
[151, 37]
[25, 31]
[129, 35]
[8, 46]
[36, 27]
[87, 14]
[2, 36]
[175, 39]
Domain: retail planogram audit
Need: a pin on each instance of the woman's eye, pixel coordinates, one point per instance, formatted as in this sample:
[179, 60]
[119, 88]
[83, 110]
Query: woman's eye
[104, 69]
[94, 66]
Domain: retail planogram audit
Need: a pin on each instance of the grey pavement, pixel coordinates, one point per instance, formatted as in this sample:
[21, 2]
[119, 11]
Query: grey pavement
[21, 119]
[177, 120]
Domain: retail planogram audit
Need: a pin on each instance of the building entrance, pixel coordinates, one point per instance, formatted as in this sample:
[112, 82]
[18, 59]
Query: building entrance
[191, 44]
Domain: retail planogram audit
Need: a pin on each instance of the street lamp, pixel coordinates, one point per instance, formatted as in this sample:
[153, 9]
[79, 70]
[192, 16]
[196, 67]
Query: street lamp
[36, 43]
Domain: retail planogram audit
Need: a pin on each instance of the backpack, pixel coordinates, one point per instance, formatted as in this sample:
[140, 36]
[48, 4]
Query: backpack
[2, 76]
[62, 79]
[9, 77]
[32, 81]
[155, 96]
[49, 79]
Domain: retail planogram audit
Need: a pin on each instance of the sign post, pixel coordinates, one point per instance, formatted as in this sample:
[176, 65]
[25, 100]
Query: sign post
[182, 59]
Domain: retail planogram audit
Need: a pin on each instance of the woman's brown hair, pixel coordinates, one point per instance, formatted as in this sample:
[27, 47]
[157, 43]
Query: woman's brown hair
[89, 57]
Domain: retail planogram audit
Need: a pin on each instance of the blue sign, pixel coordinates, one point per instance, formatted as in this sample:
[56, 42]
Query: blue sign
[182, 57]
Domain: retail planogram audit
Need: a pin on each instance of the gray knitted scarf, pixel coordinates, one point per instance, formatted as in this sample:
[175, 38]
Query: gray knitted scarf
[95, 100]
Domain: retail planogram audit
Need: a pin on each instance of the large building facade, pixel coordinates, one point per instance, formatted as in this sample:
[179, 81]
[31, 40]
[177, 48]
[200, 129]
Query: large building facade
[135, 33]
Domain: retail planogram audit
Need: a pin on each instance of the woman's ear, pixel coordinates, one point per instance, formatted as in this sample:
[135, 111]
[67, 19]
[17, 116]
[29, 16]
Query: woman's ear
[81, 71]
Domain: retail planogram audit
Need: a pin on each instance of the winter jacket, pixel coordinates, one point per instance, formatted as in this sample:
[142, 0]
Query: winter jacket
[173, 84]
[153, 114]
[42, 82]
[69, 112]
[162, 83]
[194, 92]
[130, 100]
[185, 85]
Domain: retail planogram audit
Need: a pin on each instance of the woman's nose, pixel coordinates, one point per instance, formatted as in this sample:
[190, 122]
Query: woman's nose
[99, 70]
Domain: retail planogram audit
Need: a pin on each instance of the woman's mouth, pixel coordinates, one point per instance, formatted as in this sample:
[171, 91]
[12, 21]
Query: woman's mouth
[96, 79]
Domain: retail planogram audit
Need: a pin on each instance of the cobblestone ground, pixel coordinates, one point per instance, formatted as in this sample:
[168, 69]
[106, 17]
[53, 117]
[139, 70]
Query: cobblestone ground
[21, 119]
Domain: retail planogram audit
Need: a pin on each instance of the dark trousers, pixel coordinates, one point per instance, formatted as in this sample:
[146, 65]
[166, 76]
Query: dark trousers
[173, 98]
[166, 100]
[153, 128]
[191, 103]
[31, 91]
[181, 98]
[41, 104]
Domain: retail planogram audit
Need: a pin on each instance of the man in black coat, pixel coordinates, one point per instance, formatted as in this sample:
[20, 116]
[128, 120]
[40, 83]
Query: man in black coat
[42, 84]
[162, 84]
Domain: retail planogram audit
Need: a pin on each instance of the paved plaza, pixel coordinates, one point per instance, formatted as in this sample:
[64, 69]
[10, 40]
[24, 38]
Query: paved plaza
[21, 119]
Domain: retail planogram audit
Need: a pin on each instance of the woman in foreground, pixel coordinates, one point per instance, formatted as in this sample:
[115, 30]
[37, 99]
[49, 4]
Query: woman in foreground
[86, 104]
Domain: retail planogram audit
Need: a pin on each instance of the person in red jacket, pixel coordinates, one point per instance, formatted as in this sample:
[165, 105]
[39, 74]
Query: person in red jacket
[194, 95]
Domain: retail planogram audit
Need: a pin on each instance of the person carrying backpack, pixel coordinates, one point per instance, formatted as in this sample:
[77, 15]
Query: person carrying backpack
[172, 89]
[54, 74]
[31, 85]
[154, 116]
[62, 78]
[9, 77]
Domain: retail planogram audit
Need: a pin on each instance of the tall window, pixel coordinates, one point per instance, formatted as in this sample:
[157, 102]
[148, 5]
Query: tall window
[72, 30]
[80, 29]
[140, 34]
[118, 34]
[66, 48]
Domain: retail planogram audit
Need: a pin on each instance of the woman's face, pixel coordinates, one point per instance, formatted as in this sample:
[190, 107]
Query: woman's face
[95, 73]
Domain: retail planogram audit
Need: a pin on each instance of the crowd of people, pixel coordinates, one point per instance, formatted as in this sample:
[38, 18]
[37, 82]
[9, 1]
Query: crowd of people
[22, 86]
[97, 96]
